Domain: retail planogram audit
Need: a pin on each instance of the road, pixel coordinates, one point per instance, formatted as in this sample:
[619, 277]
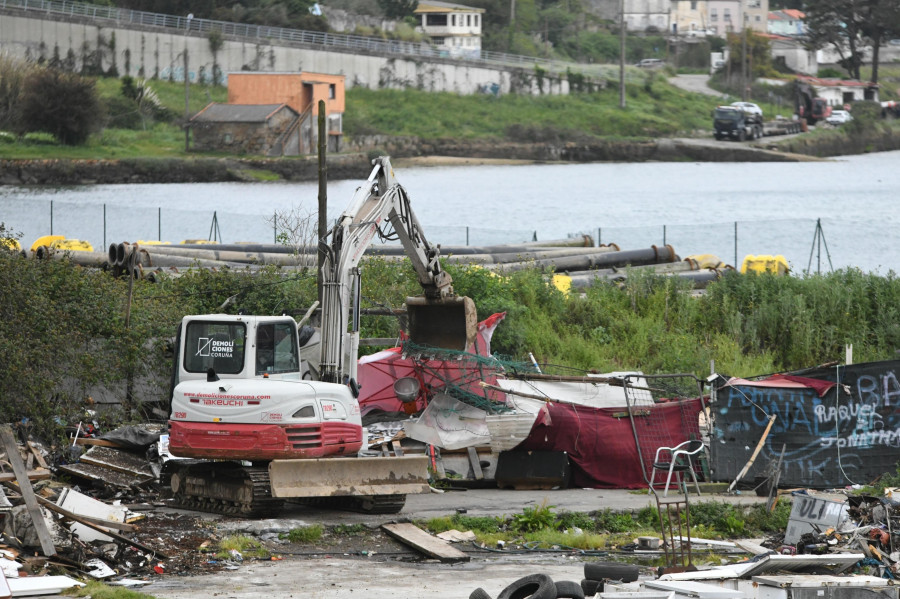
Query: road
[346, 576]
[696, 84]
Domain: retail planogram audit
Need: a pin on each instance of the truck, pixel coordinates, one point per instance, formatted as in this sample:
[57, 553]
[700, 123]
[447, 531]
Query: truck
[737, 123]
[256, 424]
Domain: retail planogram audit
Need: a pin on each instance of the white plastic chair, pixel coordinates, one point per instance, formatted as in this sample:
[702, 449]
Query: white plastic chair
[679, 461]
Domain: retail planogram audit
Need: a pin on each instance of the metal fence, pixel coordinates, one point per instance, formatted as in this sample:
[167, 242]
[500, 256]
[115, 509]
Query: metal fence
[353, 43]
[807, 244]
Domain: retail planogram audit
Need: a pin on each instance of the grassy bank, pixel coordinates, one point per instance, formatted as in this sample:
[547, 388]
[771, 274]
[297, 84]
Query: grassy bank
[654, 108]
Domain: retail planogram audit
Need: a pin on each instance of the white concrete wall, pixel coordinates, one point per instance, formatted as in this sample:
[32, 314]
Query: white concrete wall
[160, 52]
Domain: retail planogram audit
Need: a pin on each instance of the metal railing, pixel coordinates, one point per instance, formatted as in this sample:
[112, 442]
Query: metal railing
[355, 43]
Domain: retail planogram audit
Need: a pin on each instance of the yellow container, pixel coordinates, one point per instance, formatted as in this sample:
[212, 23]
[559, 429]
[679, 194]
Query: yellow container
[10, 244]
[155, 242]
[765, 263]
[562, 282]
[72, 245]
[46, 240]
[201, 241]
[707, 261]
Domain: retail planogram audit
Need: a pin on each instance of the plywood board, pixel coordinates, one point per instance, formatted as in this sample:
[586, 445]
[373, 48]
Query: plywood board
[118, 460]
[420, 540]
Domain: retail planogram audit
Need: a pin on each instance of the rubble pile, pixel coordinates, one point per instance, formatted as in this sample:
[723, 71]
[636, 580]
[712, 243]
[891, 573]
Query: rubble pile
[101, 523]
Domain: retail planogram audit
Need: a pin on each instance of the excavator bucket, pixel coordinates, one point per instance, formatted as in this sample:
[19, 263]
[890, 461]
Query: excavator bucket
[450, 323]
[343, 477]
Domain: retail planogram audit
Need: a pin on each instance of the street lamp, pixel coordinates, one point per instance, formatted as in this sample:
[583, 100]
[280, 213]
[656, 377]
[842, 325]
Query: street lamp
[187, 80]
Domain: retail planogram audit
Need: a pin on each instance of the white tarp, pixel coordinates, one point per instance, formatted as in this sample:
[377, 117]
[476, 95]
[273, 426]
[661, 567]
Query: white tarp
[449, 424]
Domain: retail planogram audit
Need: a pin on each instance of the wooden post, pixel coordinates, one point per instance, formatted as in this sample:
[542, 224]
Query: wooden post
[323, 197]
[34, 510]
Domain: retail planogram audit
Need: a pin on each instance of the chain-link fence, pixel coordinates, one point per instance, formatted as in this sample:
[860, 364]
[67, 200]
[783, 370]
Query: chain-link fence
[817, 245]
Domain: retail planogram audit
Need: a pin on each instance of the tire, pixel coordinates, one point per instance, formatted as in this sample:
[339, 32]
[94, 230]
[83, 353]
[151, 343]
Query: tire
[742, 135]
[535, 586]
[717, 136]
[566, 589]
[611, 571]
[479, 593]
[591, 587]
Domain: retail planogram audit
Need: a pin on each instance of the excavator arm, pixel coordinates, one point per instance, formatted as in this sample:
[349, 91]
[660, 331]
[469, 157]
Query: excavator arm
[438, 317]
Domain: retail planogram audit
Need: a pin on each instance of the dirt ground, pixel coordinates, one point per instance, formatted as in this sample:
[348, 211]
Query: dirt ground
[355, 556]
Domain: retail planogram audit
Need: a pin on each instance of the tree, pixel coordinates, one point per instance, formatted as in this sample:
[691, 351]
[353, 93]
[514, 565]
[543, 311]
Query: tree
[216, 40]
[63, 104]
[849, 26]
[398, 9]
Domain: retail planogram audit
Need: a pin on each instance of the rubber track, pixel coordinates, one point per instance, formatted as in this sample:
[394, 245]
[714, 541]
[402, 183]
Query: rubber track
[263, 505]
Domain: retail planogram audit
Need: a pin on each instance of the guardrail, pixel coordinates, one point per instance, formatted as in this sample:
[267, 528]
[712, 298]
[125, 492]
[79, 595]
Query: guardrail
[356, 43]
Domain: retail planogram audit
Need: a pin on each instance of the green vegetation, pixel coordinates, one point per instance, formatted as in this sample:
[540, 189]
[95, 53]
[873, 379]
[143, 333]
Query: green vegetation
[348, 530]
[304, 534]
[539, 526]
[229, 548]
[95, 589]
[749, 324]
[654, 108]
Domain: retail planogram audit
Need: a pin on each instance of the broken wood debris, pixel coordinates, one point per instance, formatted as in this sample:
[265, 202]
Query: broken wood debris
[420, 540]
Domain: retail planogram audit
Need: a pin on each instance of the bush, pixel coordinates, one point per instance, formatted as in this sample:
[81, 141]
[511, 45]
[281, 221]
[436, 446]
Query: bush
[13, 74]
[65, 105]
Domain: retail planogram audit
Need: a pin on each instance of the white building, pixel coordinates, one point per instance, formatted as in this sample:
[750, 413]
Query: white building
[453, 28]
[647, 15]
[788, 22]
[729, 16]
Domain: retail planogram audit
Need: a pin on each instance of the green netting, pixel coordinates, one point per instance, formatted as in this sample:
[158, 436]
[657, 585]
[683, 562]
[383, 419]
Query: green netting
[462, 372]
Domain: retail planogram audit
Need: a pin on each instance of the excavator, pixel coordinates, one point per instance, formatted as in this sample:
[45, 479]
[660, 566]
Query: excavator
[253, 423]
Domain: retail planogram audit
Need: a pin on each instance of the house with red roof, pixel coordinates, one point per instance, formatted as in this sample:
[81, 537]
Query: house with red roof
[788, 22]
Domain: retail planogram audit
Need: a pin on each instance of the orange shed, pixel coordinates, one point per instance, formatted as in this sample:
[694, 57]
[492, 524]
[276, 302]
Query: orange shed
[301, 91]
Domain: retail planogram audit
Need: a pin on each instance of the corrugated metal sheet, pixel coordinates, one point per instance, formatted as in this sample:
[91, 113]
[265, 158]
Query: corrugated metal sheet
[237, 113]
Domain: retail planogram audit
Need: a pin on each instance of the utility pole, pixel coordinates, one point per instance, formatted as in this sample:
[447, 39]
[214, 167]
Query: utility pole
[322, 230]
[187, 82]
[744, 73]
[621, 53]
[512, 24]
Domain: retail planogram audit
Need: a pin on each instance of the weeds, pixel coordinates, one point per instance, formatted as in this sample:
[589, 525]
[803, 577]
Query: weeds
[348, 530]
[304, 534]
[97, 590]
[243, 545]
[534, 518]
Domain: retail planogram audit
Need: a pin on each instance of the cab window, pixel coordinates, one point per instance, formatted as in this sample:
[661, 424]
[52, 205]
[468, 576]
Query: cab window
[216, 345]
[277, 348]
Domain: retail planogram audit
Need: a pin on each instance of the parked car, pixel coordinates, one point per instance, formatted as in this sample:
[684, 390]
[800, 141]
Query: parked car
[839, 117]
[649, 63]
[748, 107]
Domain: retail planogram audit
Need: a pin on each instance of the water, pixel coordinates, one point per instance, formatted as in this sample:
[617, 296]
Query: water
[692, 206]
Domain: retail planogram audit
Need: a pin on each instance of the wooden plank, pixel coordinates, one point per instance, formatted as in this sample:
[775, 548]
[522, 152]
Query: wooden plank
[398, 449]
[118, 460]
[99, 442]
[476, 463]
[55, 508]
[421, 541]
[32, 475]
[38, 455]
[105, 475]
[15, 460]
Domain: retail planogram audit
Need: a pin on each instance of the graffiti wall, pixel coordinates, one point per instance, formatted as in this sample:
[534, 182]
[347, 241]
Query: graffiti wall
[850, 435]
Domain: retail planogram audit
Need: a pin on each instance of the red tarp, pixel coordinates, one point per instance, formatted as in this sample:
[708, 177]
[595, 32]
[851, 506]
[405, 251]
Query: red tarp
[600, 442]
[785, 381]
[377, 373]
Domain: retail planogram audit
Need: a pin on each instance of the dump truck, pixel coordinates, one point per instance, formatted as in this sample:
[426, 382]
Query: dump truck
[737, 123]
[259, 422]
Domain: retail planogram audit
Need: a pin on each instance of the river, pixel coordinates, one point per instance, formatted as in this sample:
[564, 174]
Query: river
[726, 209]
